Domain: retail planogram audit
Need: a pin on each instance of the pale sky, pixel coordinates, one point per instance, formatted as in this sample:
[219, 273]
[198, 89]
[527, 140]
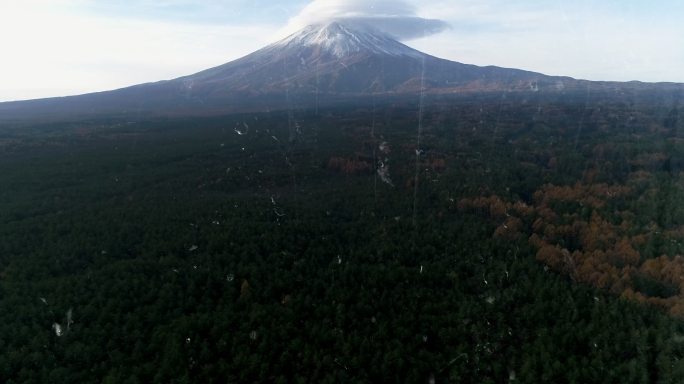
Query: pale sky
[66, 47]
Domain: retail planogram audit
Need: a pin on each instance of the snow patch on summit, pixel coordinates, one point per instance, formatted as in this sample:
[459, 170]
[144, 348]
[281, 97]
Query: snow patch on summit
[342, 40]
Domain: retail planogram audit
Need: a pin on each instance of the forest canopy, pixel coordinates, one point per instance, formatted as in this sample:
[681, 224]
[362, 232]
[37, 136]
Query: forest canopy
[528, 241]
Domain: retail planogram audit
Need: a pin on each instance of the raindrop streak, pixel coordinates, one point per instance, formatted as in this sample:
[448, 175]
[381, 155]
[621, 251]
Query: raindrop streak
[291, 140]
[499, 112]
[420, 132]
[57, 328]
[69, 318]
[239, 131]
[383, 172]
[375, 156]
[317, 85]
[584, 113]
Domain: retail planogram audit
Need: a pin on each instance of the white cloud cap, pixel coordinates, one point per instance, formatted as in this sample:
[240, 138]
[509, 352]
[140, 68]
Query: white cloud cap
[397, 18]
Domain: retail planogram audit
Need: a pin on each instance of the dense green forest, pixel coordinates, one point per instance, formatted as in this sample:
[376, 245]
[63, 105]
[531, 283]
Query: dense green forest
[467, 241]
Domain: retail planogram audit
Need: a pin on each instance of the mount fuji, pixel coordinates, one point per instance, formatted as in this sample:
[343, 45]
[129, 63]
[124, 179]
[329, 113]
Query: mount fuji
[329, 62]
[340, 59]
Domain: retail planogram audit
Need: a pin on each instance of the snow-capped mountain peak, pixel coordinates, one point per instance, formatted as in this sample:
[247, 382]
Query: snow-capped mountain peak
[341, 39]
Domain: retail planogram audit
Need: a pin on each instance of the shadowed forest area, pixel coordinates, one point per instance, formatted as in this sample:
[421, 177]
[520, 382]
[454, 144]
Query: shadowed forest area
[502, 241]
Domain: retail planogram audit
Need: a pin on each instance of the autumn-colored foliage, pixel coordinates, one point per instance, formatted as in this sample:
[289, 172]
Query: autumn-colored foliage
[349, 166]
[437, 164]
[575, 234]
[245, 290]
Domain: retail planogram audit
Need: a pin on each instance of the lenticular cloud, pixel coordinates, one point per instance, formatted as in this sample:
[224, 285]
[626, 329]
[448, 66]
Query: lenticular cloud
[396, 18]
